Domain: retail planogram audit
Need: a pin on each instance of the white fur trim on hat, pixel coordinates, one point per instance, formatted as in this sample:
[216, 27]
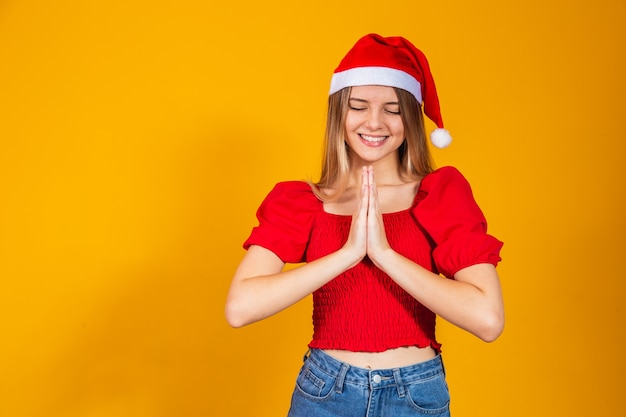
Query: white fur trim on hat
[376, 76]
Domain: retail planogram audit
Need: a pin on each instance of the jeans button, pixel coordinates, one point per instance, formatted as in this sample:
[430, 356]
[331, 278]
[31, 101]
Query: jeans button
[376, 379]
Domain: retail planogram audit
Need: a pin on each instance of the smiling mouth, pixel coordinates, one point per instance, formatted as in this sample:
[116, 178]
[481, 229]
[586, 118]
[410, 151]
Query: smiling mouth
[373, 139]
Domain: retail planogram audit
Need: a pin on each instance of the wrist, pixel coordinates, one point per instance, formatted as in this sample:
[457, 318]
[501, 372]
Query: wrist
[350, 256]
[383, 257]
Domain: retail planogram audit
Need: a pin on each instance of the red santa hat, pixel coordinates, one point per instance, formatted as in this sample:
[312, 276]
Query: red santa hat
[393, 62]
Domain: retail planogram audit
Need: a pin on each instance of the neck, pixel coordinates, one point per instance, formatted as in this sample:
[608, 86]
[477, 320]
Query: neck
[385, 172]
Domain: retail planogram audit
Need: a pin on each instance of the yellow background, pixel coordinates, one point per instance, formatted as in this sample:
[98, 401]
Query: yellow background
[138, 138]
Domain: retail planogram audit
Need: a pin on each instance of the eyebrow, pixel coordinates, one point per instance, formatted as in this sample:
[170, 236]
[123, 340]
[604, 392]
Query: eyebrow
[365, 101]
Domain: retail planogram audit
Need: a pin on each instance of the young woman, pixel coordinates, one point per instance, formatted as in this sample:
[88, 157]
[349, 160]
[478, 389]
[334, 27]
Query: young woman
[375, 235]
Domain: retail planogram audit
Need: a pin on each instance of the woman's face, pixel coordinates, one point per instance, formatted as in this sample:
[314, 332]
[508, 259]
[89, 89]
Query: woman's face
[374, 129]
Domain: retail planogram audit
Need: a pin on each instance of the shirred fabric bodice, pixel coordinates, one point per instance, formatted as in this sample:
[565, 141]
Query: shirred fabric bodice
[363, 309]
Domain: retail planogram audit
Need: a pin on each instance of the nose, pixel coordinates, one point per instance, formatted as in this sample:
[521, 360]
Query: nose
[374, 120]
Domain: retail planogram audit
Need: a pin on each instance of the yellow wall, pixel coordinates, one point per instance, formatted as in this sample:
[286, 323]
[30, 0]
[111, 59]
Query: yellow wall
[138, 138]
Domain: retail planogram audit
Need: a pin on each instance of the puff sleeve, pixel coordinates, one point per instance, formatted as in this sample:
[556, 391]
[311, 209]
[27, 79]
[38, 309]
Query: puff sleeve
[285, 220]
[446, 209]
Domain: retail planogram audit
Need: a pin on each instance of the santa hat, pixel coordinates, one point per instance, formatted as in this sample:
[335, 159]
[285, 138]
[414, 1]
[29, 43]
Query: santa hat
[393, 62]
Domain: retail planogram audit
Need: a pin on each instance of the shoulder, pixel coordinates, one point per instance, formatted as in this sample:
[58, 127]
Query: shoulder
[444, 175]
[445, 197]
[294, 190]
[446, 181]
[294, 196]
[452, 218]
[285, 220]
[294, 186]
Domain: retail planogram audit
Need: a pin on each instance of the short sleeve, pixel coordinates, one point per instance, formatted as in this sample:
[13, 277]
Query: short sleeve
[285, 221]
[446, 209]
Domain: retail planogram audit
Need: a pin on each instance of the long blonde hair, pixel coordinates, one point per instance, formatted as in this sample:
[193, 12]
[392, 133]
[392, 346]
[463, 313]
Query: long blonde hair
[414, 156]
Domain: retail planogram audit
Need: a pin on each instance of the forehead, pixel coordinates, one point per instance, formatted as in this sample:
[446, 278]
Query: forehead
[374, 92]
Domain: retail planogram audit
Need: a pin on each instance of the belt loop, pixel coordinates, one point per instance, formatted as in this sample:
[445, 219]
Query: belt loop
[306, 355]
[341, 378]
[399, 384]
[443, 367]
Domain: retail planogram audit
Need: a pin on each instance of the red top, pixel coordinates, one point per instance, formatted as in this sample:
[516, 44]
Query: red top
[363, 309]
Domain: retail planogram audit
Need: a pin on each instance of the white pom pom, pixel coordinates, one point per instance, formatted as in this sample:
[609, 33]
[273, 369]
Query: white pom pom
[440, 138]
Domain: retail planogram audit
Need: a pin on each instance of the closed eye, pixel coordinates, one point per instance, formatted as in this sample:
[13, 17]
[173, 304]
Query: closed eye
[357, 104]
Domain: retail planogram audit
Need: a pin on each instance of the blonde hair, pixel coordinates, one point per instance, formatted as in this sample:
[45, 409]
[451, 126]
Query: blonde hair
[414, 156]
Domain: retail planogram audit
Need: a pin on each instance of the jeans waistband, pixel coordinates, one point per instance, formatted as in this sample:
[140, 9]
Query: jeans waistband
[375, 378]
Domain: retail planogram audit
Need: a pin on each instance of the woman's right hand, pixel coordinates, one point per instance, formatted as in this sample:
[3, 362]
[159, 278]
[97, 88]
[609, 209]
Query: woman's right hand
[356, 244]
[261, 288]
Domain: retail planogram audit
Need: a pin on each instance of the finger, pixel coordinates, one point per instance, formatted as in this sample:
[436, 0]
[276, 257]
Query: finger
[359, 222]
[364, 190]
[358, 230]
[373, 206]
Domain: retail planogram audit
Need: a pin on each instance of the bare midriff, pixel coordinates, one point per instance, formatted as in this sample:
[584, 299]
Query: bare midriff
[392, 358]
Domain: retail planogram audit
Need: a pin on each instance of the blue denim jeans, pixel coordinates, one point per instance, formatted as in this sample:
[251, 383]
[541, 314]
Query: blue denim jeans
[327, 387]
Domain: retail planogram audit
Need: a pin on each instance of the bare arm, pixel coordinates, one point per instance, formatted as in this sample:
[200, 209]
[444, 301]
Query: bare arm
[472, 301]
[260, 287]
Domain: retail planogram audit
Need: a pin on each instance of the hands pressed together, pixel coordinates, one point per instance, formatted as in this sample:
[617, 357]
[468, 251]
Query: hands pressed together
[261, 288]
[367, 231]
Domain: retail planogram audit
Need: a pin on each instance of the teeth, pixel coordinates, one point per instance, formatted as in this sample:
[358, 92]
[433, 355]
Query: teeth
[374, 138]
